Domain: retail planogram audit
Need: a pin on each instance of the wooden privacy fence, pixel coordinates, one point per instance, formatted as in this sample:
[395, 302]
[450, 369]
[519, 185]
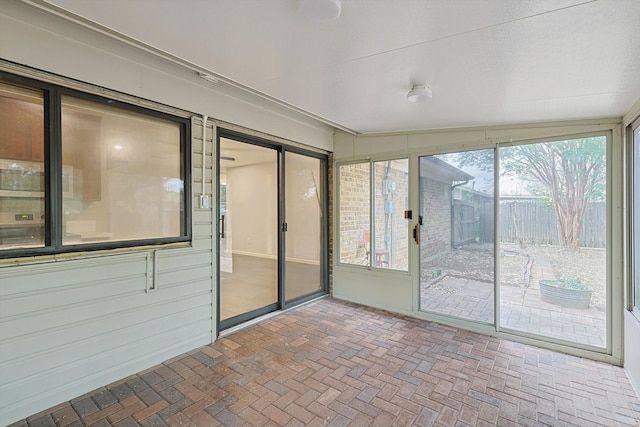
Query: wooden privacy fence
[472, 220]
[533, 222]
[529, 222]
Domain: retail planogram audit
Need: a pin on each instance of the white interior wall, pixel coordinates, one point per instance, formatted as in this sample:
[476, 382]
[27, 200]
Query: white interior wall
[253, 220]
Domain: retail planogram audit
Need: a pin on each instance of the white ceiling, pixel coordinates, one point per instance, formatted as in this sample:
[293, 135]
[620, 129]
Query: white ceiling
[487, 61]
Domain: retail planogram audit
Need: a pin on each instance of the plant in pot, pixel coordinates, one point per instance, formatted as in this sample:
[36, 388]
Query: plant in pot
[566, 292]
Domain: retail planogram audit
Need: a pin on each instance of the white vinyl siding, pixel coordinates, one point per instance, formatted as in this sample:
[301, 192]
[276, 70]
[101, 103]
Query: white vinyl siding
[73, 325]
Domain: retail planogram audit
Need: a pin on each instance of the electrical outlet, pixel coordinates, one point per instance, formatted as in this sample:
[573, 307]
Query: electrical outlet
[204, 201]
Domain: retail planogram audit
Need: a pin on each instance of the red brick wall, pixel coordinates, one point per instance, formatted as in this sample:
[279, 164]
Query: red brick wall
[353, 217]
[435, 234]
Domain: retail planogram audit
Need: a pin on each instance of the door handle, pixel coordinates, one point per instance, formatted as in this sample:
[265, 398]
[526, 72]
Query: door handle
[416, 233]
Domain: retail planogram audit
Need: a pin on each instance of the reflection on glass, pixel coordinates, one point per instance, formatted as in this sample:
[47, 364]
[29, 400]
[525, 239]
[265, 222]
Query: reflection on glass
[124, 172]
[456, 238]
[354, 216]
[249, 245]
[391, 249]
[304, 225]
[553, 240]
[21, 167]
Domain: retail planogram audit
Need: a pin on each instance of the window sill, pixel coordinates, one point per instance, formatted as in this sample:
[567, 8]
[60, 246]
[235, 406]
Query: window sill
[40, 259]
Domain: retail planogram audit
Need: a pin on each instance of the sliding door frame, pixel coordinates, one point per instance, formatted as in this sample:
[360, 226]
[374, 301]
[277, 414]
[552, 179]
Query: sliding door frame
[324, 231]
[282, 303]
[611, 351]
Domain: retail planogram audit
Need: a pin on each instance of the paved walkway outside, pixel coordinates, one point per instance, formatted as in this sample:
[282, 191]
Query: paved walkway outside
[338, 364]
[521, 308]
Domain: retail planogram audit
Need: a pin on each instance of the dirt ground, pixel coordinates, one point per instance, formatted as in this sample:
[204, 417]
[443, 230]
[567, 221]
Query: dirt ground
[476, 261]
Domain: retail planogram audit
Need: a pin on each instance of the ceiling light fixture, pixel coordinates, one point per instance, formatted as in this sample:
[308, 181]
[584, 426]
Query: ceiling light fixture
[419, 93]
[320, 10]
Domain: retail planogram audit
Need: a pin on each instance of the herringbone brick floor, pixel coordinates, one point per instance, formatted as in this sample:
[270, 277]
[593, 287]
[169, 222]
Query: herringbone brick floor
[337, 364]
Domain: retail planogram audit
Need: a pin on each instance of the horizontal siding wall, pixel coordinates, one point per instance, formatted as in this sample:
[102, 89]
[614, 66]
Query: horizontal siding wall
[70, 326]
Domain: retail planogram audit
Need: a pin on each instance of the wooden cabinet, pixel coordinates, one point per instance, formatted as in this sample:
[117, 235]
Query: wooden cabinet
[81, 148]
[37, 141]
[21, 130]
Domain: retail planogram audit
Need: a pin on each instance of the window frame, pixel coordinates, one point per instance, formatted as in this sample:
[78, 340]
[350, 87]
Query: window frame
[372, 214]
[53, 196]
[633, 291]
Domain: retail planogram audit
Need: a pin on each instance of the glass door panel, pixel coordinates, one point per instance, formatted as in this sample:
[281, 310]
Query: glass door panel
[305, 225]
[457, 235]
[248, 231]
[385, 245]
[553, 216]
[354, 218]
[391, 199]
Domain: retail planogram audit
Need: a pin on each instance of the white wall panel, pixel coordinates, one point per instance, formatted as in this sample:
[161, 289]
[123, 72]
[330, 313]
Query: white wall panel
[441, 141]
[380, 144]
[632, 350]
[387, 290]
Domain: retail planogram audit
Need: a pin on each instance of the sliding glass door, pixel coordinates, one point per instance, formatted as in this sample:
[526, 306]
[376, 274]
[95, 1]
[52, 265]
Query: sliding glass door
[305, 222]
[551, 231]
[553, 240]
[272, 228]
[249, 231]
[457, 235]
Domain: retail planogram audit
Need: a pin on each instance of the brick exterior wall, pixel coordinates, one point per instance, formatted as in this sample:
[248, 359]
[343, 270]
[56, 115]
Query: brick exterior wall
[392, 220]
[391, 229]
[435, 234]
[354, 212]
[353, 222]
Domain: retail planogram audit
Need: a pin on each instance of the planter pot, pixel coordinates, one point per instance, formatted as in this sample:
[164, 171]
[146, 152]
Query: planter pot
[552, 291]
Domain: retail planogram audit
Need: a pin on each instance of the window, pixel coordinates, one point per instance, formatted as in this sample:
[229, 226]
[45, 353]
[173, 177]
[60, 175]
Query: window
[634, 137]
[104, 175]
[553, 226]
[373, 230]
[22, 169]
[355, 208]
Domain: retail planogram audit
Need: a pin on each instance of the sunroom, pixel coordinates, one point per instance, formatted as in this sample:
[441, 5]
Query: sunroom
[171, 174]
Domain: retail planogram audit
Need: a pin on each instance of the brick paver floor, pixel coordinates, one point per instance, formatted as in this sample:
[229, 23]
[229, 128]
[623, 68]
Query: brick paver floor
[337, 364]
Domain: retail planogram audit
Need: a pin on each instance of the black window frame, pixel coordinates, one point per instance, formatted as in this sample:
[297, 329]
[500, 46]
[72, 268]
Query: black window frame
[53, 218]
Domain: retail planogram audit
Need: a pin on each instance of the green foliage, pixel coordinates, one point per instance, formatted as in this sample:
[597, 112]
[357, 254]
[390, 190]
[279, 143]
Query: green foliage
[537, 164]
[572, 283]
[554, 169]
[568, 173]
